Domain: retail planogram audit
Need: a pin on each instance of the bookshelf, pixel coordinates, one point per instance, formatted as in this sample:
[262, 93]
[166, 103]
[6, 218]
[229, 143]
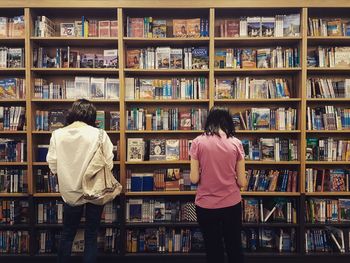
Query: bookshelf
[297, 78]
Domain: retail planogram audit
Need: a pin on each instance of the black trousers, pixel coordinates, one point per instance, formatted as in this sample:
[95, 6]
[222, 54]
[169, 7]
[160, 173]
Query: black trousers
[71, 221]
[221, 230]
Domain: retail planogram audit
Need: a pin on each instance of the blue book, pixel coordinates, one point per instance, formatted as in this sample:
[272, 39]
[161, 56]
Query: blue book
[136, 182]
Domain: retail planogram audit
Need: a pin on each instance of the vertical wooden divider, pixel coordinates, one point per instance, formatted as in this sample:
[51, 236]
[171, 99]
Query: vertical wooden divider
[211, 56]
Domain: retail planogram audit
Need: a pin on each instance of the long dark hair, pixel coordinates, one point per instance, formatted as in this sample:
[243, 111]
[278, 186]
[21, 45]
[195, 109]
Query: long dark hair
[219, 118]
[82, 110]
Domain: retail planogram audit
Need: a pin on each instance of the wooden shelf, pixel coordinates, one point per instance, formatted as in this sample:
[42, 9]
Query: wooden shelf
[13, 163]
[12, 100]
[12, 71]
[250, 101]
[327, 162]
[328, 40]
[47, 195]
[328, 100]
[160, 224]
[76, 41]
[267, 131]
[172, 101]
[328, 70]
[164, 132]
[273, 162]
[13, 132]
[12, 40]
[161, 41]
[107, 101]
[162, 72]
[160, 193]
[40, 163]
[270, 193]
[257, 40]
[258, 71]
[328, 194]
[75, 70]
[116, 162]
[328, 131]
[50, 132]
[12, 195]
[158, 162]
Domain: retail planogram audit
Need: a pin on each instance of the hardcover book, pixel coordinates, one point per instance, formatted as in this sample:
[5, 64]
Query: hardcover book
[110, 58]
[268, 26]
[67, 29]
[159, 28]
[193, 27]
[172, 150]
[248, 58]
[179, 28]
[254, 26]
[133, 58]
[135, 149]
[157, 149]
[200, 58]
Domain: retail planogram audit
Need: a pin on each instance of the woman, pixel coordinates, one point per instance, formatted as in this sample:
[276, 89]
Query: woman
[71, 149]
[217, 165]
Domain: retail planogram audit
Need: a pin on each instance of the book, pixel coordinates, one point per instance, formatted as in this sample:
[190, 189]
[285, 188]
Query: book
[163, 57]
[67, 29]
[100, 119]
[135, 149]
[110, 58]
[104, 28]
[172, 150]
[200, 58]
[114, 120]
[254, 26]
[248, 58]
[179, 28]
[97, 88]
[193, 27]
[157, 149]
[291, 25]
[159, 28]
[268, 26]
[112, 88]
[176, 58]
[133, 58]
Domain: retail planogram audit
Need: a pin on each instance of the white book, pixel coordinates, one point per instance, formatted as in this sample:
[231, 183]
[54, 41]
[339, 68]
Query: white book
[129, 88]
[97, 88]
[82, 87]
[162, 57]
[112, 88]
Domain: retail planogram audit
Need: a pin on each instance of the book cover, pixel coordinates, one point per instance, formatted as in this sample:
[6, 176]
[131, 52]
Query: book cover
[267, 238]
[200, 58]
[179, 28]
[176, 58]
[159, 211]
[268, 26]
[267, 149]
[146, 88]
[344, 210]
[110, 58]
[251, 210]
[254, 26]
[97, 88]
[87, 60]
[185, 121]
[342, 57]
[172, 150]
[334, 27]
[67, 29]
[261, 118]
[135, 149]
[157, 149]
[291, 25]
[114, 120]
[232, 27]
[112, 88]
[220, 58]
[104, 28]
[263, 57]
[57, 119]
[193, 27]
[248, 58]
[133, 58]
[163, 57]
[100, 119]
[136, 27]
[159, 28]
[114, 28]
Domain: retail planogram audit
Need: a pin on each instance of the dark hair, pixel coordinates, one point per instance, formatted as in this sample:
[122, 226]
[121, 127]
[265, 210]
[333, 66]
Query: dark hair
[82, 110]
[219, 118]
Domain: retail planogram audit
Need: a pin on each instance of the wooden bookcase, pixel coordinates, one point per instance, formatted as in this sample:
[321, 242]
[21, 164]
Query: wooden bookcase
[213, 10]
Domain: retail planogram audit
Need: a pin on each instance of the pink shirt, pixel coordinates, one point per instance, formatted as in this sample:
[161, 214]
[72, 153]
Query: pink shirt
[217, 158]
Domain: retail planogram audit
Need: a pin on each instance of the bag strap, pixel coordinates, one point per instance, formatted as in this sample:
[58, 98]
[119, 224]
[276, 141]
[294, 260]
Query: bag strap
[100, 139]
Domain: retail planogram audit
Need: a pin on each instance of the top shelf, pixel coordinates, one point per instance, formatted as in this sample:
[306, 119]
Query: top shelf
[328, 40]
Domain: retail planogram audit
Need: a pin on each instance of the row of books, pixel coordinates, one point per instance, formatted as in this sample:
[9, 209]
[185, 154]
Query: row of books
[51, 212]
[72, 58]
[327, 149]
[271, 180]
[13, 180]
[279, 57]
[170, 240]
[272, 26]
[45, 27]
[283, 119]
[251, 88]
[328, 88]
[327, 180]
[327, 210]
[330, 239]
[328, 118]
[268, 239]
[12, 26]
[80, 87]
[166, 119]
[168, 58]
[149, 27]
[12, 88]
[11, 57]
[170, 179]
[46, 182]
[175, 88]
[55, 119]
[12, 150]
[14, 212]
[151, 210]
[271, 149]
[328, 27]
[12, 118]
[328, 57]
[14, 242]
[270, 210]
[140, 149]
[107, 241]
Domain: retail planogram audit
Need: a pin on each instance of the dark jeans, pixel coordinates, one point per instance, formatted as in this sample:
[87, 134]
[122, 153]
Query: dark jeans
[221, 230]
[71, 220]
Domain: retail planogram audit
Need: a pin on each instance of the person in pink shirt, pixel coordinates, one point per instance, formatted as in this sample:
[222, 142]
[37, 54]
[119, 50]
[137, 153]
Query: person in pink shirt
[217, 165]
